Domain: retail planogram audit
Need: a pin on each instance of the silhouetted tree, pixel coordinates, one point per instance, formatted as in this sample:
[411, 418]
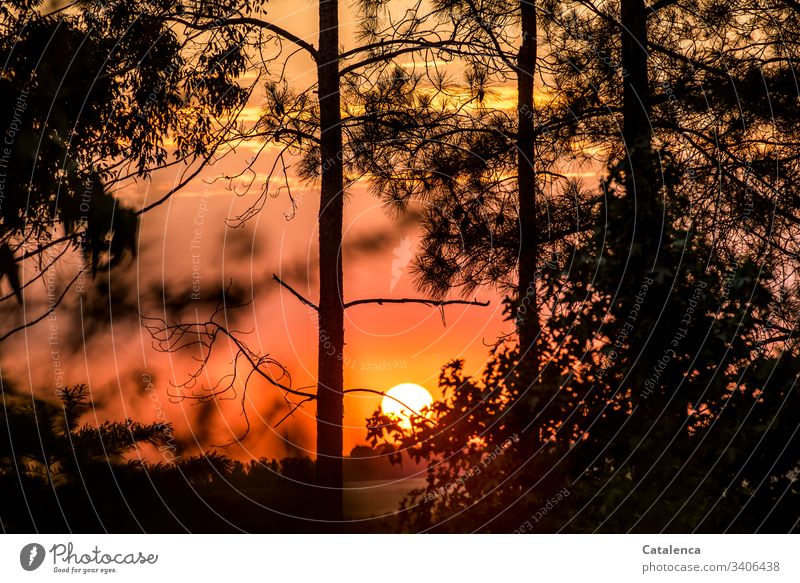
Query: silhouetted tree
[673, 418]
[306, 123]
[91, 97]
[62, 473]
[498, 197]
[718, 109]
[668, 69]
[666, 397]
[45, 447]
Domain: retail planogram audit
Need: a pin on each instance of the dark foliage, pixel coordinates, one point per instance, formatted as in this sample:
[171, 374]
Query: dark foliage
[58, 475]
[659, 407]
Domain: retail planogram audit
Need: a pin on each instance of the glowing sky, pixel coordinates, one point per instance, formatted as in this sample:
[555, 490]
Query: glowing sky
[186, 247]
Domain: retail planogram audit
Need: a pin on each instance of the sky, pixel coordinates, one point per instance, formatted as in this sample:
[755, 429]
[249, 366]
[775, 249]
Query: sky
[188, 249]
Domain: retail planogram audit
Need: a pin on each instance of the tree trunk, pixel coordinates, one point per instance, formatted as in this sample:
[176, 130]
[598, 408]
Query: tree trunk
[640, 180]
[641, 233]
[330, 381]
[527, 307]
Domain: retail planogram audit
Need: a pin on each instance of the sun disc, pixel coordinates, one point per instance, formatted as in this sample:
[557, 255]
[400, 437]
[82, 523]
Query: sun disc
[405, 400]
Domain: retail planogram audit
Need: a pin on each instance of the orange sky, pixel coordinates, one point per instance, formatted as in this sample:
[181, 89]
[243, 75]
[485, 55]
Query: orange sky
[385, 345]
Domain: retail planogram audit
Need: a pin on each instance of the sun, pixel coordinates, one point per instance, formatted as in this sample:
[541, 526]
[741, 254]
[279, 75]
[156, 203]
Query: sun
[413, 399]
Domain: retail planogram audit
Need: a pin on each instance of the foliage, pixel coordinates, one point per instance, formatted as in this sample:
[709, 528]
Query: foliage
[658, 406]
[667, 357]
[58, 474]
[91, 98]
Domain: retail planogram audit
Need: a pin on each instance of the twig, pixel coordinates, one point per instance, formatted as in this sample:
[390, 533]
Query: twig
[248, 21]
[295, 293]
[52, 308]
[292, 410]
[426, 302]
[387, 395]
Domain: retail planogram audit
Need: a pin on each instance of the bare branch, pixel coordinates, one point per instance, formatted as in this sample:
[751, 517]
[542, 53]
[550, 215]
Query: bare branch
[385, 394]
[256, 22]
[659, 4]
[449, 46]
[176, 336]
[52, 307]
[426, 302]
[295, 293]
[293, 409]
